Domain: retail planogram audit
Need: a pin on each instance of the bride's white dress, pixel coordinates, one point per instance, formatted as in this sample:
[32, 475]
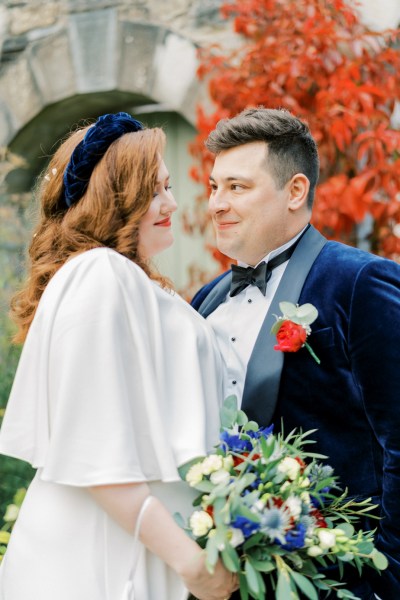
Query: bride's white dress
[119, 381]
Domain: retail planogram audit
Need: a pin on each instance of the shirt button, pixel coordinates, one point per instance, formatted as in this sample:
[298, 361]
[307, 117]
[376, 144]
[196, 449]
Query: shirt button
[233, 339]
[234, 382]
[249, 300]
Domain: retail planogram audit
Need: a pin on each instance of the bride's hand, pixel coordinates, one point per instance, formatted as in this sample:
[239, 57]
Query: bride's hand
[204, 586]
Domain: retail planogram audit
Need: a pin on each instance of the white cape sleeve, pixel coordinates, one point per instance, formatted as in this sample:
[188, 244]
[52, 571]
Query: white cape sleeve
[87, 406]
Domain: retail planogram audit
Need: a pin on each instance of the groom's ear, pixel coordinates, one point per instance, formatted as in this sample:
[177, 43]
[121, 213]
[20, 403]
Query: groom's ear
[298, 188]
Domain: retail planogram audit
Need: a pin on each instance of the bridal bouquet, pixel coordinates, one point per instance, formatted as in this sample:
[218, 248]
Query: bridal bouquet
[266, 508]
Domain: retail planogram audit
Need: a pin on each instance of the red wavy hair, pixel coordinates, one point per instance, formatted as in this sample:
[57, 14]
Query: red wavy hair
[119, 193]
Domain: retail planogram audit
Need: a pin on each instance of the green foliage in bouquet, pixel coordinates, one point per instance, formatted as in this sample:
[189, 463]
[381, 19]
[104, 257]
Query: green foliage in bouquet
[273, 512]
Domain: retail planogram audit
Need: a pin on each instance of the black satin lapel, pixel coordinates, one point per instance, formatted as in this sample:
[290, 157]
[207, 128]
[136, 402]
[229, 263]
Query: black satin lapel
[265, 365]
[216, 296]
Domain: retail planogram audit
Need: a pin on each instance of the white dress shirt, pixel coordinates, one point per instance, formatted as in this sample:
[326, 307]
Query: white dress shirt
[238, 320]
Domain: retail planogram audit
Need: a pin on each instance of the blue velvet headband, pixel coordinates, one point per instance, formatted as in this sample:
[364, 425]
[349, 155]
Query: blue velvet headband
[91, 149]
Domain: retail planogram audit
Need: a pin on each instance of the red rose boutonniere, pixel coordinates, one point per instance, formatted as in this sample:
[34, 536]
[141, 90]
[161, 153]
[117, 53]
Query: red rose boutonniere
[293, 327]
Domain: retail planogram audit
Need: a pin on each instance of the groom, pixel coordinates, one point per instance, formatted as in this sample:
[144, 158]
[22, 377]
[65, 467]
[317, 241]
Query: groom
[262, 190]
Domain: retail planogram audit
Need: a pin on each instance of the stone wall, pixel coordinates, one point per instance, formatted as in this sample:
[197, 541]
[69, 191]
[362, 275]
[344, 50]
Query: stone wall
[55, 50]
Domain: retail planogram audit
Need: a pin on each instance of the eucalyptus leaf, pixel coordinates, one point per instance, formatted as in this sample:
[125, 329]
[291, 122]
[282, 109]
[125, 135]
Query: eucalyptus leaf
[228, 412]
[230, 402]
[251, 426]
[264, 566]
[304, 585]
[321, 585]
[314, 455]
[276, 326]
[251, 577]
[288, 309]
[346, 556]
[307, 313]
[241, 418]
[197, 501]
[365, 547]
[219, 506]
[244, 590]
[252, 541]
[347, 528]
[204, 486]
[346, 594]
[211, 554]
[230, 559]
[358, 564]
[283, 589]
[244, 481]
[380, 561]
[179, 520]
[261, 586]
[243, 511]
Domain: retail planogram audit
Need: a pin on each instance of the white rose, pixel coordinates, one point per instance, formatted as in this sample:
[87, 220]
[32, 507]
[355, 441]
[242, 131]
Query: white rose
[327, 539]
[290, 467]
[293, 505]
[211, 463]
[220, 476]
[200, 523]
[195, 474]
[236, 536]
[228, 462]
[314, 551]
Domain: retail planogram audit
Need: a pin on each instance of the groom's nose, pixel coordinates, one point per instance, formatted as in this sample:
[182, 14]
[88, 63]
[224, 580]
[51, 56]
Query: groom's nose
[218, 202]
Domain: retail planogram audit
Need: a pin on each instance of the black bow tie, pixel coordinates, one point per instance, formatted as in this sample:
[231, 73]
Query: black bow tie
[258, 276]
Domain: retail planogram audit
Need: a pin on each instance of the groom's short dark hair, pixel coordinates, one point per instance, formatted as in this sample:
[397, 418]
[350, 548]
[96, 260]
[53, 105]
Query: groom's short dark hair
[291, 147]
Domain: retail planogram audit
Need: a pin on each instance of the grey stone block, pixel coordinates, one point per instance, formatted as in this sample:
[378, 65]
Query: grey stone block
[51, 63]
[7, 126]
[93, 41]
[138, 43]
[18, 91]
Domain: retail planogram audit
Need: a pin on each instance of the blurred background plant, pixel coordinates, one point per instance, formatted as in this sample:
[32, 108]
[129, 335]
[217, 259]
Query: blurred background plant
[15, 475]
[9, 519]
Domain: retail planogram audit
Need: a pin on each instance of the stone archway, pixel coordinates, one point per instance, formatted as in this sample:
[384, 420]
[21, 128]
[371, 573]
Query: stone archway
[91, 63]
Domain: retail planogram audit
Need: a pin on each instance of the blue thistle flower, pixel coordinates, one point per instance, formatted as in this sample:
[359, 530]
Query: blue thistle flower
[235, 443]
[265, 432]
[295, 538]
[245, 525]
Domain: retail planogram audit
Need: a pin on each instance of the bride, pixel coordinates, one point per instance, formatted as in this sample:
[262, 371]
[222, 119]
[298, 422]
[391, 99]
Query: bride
[118, 384]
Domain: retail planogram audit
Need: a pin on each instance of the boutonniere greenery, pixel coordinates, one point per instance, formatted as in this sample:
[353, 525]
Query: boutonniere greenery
[293, 327]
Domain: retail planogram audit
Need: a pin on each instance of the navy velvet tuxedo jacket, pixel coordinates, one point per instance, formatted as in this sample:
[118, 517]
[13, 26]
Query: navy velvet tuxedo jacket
[353, 397]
